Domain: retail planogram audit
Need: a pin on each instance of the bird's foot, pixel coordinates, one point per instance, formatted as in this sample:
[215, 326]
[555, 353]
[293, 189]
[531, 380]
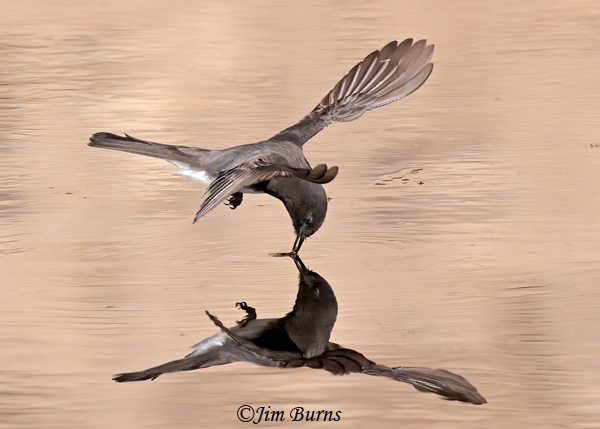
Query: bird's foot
[234, 201]
[250, 313]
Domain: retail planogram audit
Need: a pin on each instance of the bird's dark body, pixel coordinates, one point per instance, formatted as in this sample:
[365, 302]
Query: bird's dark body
[301, 338]
[277, 166]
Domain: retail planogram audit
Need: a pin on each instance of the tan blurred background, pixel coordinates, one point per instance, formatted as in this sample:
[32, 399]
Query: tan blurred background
[489, 268]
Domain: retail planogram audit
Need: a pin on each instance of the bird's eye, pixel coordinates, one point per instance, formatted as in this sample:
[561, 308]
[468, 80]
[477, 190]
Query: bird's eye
[309, 221]
[316, 290]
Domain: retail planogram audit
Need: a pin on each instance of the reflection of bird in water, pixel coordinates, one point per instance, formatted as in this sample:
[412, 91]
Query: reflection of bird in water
[301, 338]
[277, 166]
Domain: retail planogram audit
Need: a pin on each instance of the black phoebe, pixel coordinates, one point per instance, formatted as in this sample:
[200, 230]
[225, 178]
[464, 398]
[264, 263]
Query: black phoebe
[302, 333]
[277, 166]
[301, 338]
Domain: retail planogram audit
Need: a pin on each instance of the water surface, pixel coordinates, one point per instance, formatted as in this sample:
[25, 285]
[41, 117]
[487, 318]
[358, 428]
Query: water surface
[462, 233]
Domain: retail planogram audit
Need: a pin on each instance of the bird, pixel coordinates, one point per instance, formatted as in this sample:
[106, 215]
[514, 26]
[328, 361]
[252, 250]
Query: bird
[277, 166]
[301, 339]
[302, 333]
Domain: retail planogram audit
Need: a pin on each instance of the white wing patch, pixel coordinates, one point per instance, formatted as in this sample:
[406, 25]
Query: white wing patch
[209, 343]
[202, 176]
[197, 175]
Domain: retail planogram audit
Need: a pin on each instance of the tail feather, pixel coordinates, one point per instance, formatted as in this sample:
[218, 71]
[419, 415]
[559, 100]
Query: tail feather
[210, 358]
[178, 155]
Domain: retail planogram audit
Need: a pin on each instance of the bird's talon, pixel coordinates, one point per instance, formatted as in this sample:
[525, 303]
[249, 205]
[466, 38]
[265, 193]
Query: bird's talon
[250, 313]
[234, 201]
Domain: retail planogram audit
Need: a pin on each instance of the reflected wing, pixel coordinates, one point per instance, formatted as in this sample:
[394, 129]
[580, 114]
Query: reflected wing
[444, 383]
[338, 362]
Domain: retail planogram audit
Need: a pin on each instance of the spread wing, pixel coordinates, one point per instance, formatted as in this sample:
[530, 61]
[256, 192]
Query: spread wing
[381, 78]
[243, 176]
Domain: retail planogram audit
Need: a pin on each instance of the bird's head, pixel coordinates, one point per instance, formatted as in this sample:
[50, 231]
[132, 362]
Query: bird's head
[307, 211]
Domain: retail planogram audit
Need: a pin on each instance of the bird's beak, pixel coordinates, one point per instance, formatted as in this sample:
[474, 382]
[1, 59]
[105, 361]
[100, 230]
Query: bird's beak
[301, 267]
[298, 243]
